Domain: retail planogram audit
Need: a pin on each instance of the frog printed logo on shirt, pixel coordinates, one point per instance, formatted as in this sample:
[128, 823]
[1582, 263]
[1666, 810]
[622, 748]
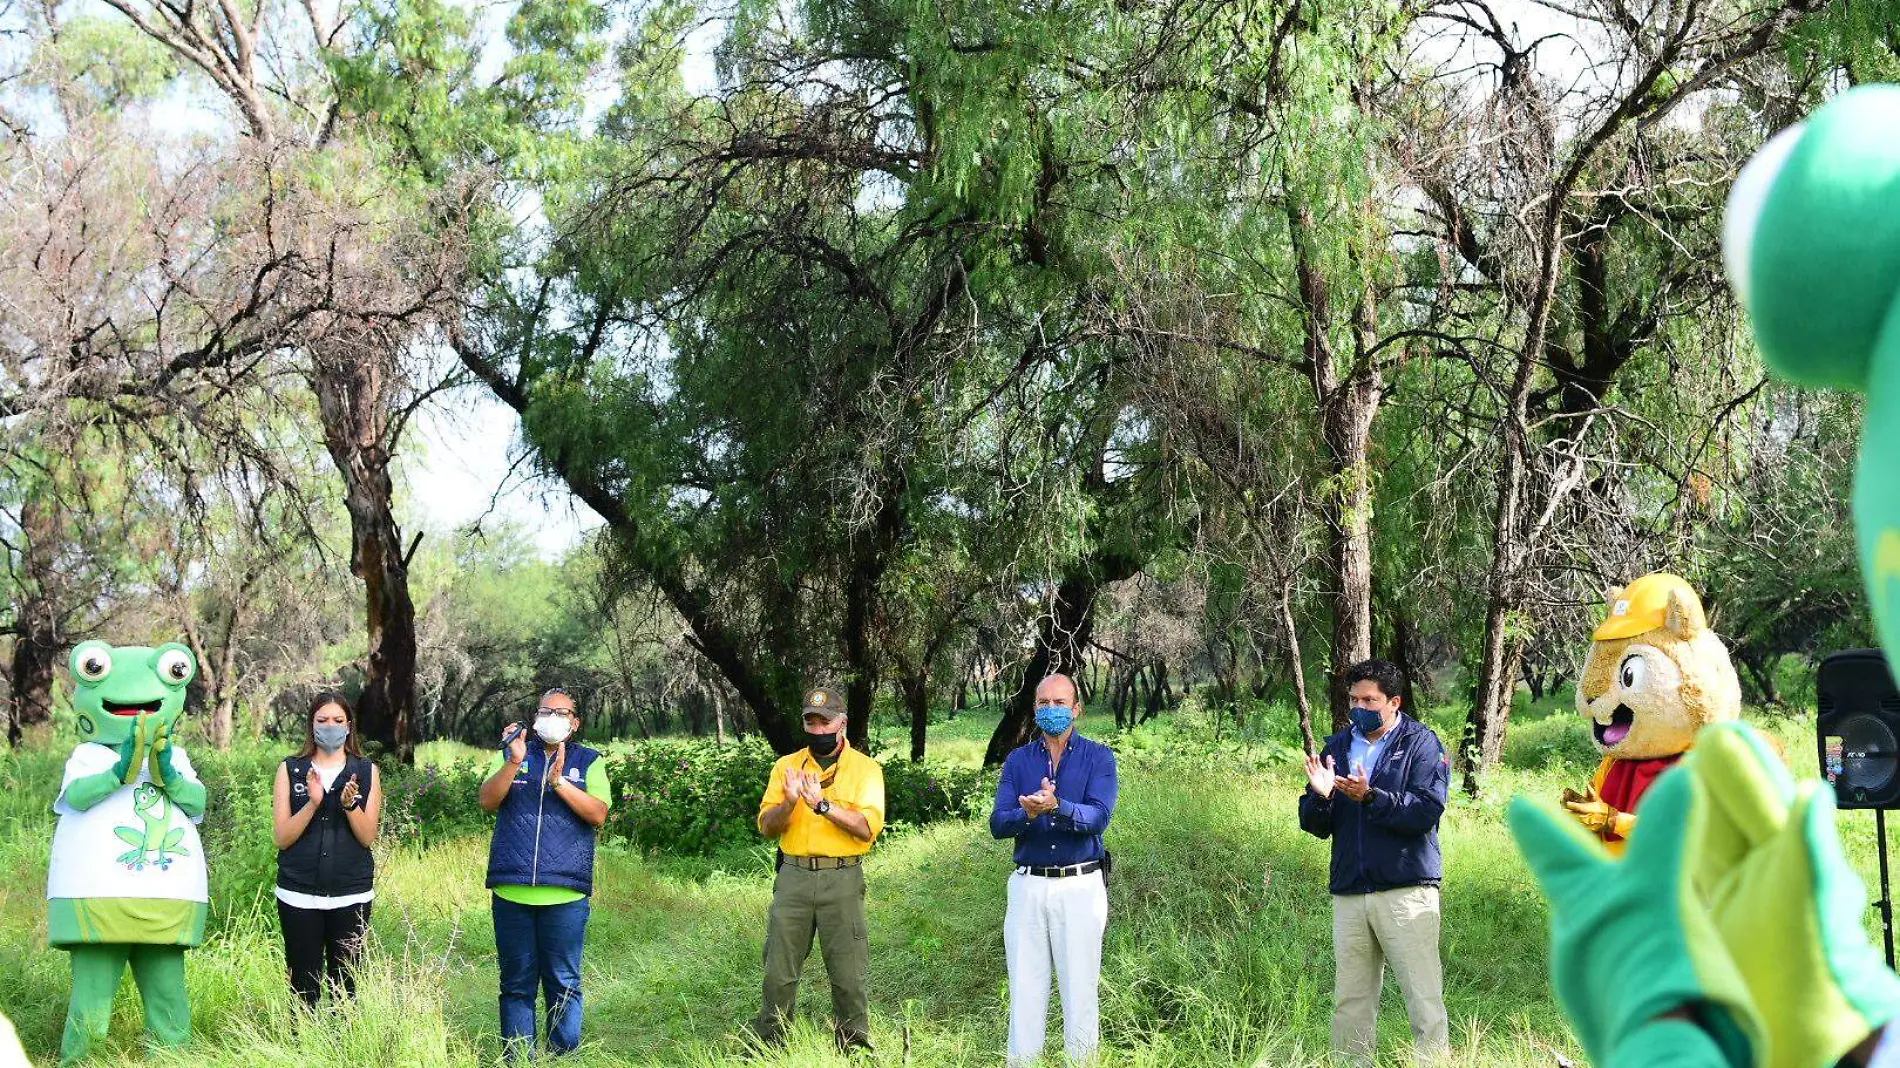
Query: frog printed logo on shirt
[155, 841]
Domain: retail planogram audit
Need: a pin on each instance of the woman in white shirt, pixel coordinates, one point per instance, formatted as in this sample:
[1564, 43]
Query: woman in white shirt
[326, 805]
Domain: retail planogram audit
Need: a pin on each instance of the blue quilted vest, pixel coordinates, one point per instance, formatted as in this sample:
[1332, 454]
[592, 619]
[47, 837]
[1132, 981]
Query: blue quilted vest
[538, 840]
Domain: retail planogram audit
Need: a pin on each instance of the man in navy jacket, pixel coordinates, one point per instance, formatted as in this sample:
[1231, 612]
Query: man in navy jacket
[1377, 790]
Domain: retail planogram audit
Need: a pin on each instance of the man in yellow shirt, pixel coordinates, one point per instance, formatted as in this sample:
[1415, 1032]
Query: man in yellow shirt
[825, 805]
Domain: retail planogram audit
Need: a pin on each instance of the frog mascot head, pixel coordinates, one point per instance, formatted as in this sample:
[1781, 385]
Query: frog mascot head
[115, 689]
[1812, 244]
[126, 883]
[1655, 675]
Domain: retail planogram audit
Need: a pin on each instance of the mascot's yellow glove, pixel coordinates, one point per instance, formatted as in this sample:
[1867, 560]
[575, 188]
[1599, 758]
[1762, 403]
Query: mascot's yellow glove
[132, 751]
[1787, 905]
[1597, 815]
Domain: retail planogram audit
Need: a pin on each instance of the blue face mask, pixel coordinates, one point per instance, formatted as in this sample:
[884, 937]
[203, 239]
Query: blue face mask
[1054, 719]
[1365, 720]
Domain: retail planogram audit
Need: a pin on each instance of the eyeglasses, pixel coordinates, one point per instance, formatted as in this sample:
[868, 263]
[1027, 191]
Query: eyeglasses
[546, 710]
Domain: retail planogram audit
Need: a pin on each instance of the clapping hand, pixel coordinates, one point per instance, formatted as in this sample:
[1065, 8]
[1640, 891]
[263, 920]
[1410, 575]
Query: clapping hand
[1356, 786]
[313, 783]
[1042, 802]
[1319, 774]
[351, 792]
[160, 754]
[557, 765]
[809, 790]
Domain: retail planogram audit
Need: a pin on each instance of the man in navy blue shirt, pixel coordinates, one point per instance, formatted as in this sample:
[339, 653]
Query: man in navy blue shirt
[1377, 791]
[1055, 798]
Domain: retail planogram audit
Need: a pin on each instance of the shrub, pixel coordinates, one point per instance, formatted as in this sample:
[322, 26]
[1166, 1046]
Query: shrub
[434, 802]
[696, 799]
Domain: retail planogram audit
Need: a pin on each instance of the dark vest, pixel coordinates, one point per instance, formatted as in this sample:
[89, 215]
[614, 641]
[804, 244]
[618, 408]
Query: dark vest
[538, 840]
[327, 860]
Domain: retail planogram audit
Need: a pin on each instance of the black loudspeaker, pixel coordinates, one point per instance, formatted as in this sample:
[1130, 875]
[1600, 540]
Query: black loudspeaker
[1858, 732]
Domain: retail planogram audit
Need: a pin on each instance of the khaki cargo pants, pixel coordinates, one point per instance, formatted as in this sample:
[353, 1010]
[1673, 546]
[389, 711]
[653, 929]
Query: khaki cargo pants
[830, 904]
[1399, 927]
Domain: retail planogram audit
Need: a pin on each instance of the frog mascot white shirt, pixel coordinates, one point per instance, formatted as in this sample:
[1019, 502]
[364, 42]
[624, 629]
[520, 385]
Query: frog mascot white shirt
[126, 883]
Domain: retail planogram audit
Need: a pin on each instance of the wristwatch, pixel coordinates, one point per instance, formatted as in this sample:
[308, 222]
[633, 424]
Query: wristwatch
[824, 806]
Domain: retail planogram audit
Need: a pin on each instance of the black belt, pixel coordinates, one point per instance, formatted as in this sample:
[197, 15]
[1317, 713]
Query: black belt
[1085, 868]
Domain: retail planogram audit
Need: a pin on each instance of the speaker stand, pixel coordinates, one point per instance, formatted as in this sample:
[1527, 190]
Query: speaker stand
[1886, 895]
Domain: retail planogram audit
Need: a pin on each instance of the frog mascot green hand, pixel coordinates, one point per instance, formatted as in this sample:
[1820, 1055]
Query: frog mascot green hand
[126, 883]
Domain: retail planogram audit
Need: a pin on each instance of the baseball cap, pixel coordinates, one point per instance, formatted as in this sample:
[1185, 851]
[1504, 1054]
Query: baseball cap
[824, 701]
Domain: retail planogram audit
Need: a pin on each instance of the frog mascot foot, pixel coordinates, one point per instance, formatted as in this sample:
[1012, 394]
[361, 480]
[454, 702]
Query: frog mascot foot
[126, 884]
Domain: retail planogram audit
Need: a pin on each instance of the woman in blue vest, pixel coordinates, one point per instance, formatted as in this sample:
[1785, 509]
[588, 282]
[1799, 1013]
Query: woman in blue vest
[325, 808]
[549, 798]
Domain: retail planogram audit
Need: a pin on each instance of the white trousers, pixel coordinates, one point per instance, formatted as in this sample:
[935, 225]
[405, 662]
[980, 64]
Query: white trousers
[1059, 923]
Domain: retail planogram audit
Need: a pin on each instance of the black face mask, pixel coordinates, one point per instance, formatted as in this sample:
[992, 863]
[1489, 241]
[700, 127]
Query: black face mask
[822, 744]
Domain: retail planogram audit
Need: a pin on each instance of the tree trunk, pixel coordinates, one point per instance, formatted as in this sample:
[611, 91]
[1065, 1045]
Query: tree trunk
[1761, 671]
[353, 398]
[1153, 706]
[719, 718]
[1405, 655]
[1348, 422]
[1347, 405]
[1295, 660]
[1060, 642]
[916, 688]
[36, 639]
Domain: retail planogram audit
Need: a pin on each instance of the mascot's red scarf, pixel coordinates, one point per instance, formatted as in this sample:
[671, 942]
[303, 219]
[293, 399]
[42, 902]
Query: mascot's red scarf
[1626, 781]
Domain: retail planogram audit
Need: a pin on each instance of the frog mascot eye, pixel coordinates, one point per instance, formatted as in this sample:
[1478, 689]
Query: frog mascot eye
[175, 665]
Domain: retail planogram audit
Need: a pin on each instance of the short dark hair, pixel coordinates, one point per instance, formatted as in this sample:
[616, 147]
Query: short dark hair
[1388, 676]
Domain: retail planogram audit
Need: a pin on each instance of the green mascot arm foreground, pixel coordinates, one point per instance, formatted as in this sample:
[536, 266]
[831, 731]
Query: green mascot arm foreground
[1812, 240]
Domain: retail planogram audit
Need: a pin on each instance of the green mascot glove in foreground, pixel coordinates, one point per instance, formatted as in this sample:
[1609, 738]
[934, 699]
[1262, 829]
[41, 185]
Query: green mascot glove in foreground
[1631, 943]
[126, 883]
[1740, 908]
[1812, 241]
[1787, 903]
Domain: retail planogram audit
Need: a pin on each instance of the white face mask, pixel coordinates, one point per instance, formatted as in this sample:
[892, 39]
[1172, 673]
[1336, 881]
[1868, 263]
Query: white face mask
[553, 729]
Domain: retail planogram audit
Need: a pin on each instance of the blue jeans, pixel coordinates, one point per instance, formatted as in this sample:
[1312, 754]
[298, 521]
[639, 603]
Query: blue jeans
[540, 943]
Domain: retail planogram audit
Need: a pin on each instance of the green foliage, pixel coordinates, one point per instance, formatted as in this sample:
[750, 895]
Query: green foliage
[434, 802]
[114, 62]
[697, 798]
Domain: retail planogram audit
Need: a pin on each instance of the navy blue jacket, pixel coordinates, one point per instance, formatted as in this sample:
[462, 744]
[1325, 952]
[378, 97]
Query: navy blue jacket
[1391, 840]
[1085, 800]
[539, 841]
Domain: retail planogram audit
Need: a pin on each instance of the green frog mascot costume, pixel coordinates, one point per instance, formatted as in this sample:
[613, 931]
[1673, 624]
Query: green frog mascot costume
[1729, 934]
[126, 884]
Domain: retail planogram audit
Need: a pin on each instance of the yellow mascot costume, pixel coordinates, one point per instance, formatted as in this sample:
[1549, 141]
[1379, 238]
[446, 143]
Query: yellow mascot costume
[1655, 675]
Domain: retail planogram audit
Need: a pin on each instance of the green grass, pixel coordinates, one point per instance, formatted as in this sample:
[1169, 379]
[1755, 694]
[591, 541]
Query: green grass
[1218, 949]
